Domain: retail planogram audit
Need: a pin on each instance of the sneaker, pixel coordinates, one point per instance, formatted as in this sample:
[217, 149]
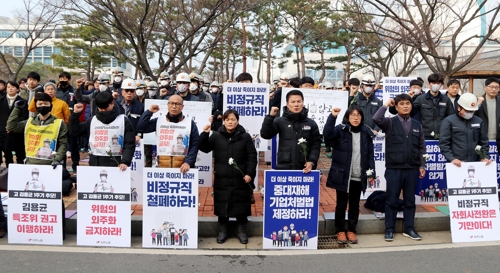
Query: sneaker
[389, 236]
[351, 238]
[413, 235]
[68, 154]
[341, 238]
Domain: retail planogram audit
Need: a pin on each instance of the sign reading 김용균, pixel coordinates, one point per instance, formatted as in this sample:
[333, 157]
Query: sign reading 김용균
[103, 207]
[473, 202]
[291, 210]
[170, 208]
[35, 206]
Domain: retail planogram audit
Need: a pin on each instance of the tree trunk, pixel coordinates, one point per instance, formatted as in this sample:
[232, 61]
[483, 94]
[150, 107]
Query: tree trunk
[298, 59]
[269, 53]
[244, 44]
[302, 58]
[260, 56]
[347, 73]
[323, 69]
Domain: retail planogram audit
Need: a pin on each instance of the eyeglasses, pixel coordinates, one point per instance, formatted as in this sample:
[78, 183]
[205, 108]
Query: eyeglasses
[354, 115]
[496, 87]
[129, 90]
[178, 104]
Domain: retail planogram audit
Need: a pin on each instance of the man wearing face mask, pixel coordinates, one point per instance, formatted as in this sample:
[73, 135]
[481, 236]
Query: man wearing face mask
[108, 118]
[461, 132]
[367, 101]
[66, 93]
[152, 90]
[140, 92]
[195, 89]
[104, 83]
[164, 86]
[217, 111]
[129, 106]
[432, 107]
[116, 88]
[183, 81]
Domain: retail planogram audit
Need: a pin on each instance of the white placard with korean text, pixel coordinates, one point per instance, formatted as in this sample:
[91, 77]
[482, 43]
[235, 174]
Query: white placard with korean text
[251, 101]
[170, 208]
[198, 111]
[136, 170]
[320, 104]
[103, 207]
[473, 202]
[35, 205]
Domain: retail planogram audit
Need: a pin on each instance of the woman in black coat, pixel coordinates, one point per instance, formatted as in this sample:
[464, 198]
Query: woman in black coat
[353, 164]
[232, 186]
[13, 141]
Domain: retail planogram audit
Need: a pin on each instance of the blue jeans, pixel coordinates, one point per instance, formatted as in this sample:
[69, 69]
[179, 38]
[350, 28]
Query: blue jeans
[397, 180]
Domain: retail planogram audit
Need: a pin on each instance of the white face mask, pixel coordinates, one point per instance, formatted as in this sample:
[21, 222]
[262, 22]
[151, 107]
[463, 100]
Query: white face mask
[468, 115]
[435, 87]
[152, 93]
[368, 89]
[163, 83]
[205, 88]
[193, 87]
[417, 91]
[139, 92]
[181, 87]
[102, 87]
[471, 173]
[118, 79]
[215, 90]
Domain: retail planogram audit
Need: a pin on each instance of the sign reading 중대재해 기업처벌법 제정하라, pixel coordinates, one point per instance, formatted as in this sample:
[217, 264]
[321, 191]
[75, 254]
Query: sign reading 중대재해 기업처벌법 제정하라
[473, 202]
[291, 209]
[103, 207]
[35, 208]
[170, 208]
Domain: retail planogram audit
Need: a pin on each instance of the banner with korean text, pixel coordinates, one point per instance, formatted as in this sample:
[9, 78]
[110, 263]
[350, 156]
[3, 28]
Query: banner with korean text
[291, 209]
[170, 208]
[103, 206]
[136, 170]
[320, 104]
[199, 112]
[35, 205]
[473, 202]
[251, 101]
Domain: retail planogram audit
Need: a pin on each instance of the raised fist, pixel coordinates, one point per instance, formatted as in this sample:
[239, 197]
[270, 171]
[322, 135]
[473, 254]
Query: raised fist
[274, 111]
[77, 108]
[336, 112]
[154, 108]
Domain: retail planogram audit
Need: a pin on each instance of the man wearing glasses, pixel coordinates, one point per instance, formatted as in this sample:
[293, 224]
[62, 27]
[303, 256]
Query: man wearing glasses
[168, 129]
[489, 108]
[461, 132]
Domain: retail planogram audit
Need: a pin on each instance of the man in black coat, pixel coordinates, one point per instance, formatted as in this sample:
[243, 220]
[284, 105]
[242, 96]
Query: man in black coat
[293, 126]
[106, 115]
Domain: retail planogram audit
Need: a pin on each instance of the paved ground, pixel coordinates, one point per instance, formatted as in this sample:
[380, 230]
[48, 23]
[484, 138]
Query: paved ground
[327, 195]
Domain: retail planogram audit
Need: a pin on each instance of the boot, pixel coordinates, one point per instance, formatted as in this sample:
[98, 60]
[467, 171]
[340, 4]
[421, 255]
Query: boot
[242, 235]
[2, 233]
[221, 238]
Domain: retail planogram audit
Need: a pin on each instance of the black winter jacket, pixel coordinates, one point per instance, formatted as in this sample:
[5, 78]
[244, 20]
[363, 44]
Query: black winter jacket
[432, 113]
[341, 142]
[79, 129]
[291, 127]
[231, 193]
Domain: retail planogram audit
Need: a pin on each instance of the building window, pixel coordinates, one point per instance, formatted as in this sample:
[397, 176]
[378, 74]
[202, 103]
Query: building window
[6, 34]
[38, 60]
[18, 51]
[47, 50]
[38, 51]
[123, 65]
[57, 50]
[108, 64]
[47, 61]
[7, 50]
[22, 34]
[28, 61]
[1, 49]
[78, 51]
[115, 62]
[58, 33]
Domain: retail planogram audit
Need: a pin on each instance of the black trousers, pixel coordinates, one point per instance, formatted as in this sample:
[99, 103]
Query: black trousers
[2, 216]
[14, 142]
[343, 198]
[397, 180]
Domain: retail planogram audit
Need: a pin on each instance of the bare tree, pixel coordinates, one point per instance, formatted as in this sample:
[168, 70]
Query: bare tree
[35, 23]
[447, 34]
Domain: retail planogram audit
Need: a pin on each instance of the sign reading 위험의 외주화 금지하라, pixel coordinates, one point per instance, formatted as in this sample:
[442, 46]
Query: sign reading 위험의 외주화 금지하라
[473, 202]
[103, 207]
[170, 208]
[291, 210]
[35, 206]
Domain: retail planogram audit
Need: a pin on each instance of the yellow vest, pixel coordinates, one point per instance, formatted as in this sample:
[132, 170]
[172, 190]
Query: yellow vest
[40, 141]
